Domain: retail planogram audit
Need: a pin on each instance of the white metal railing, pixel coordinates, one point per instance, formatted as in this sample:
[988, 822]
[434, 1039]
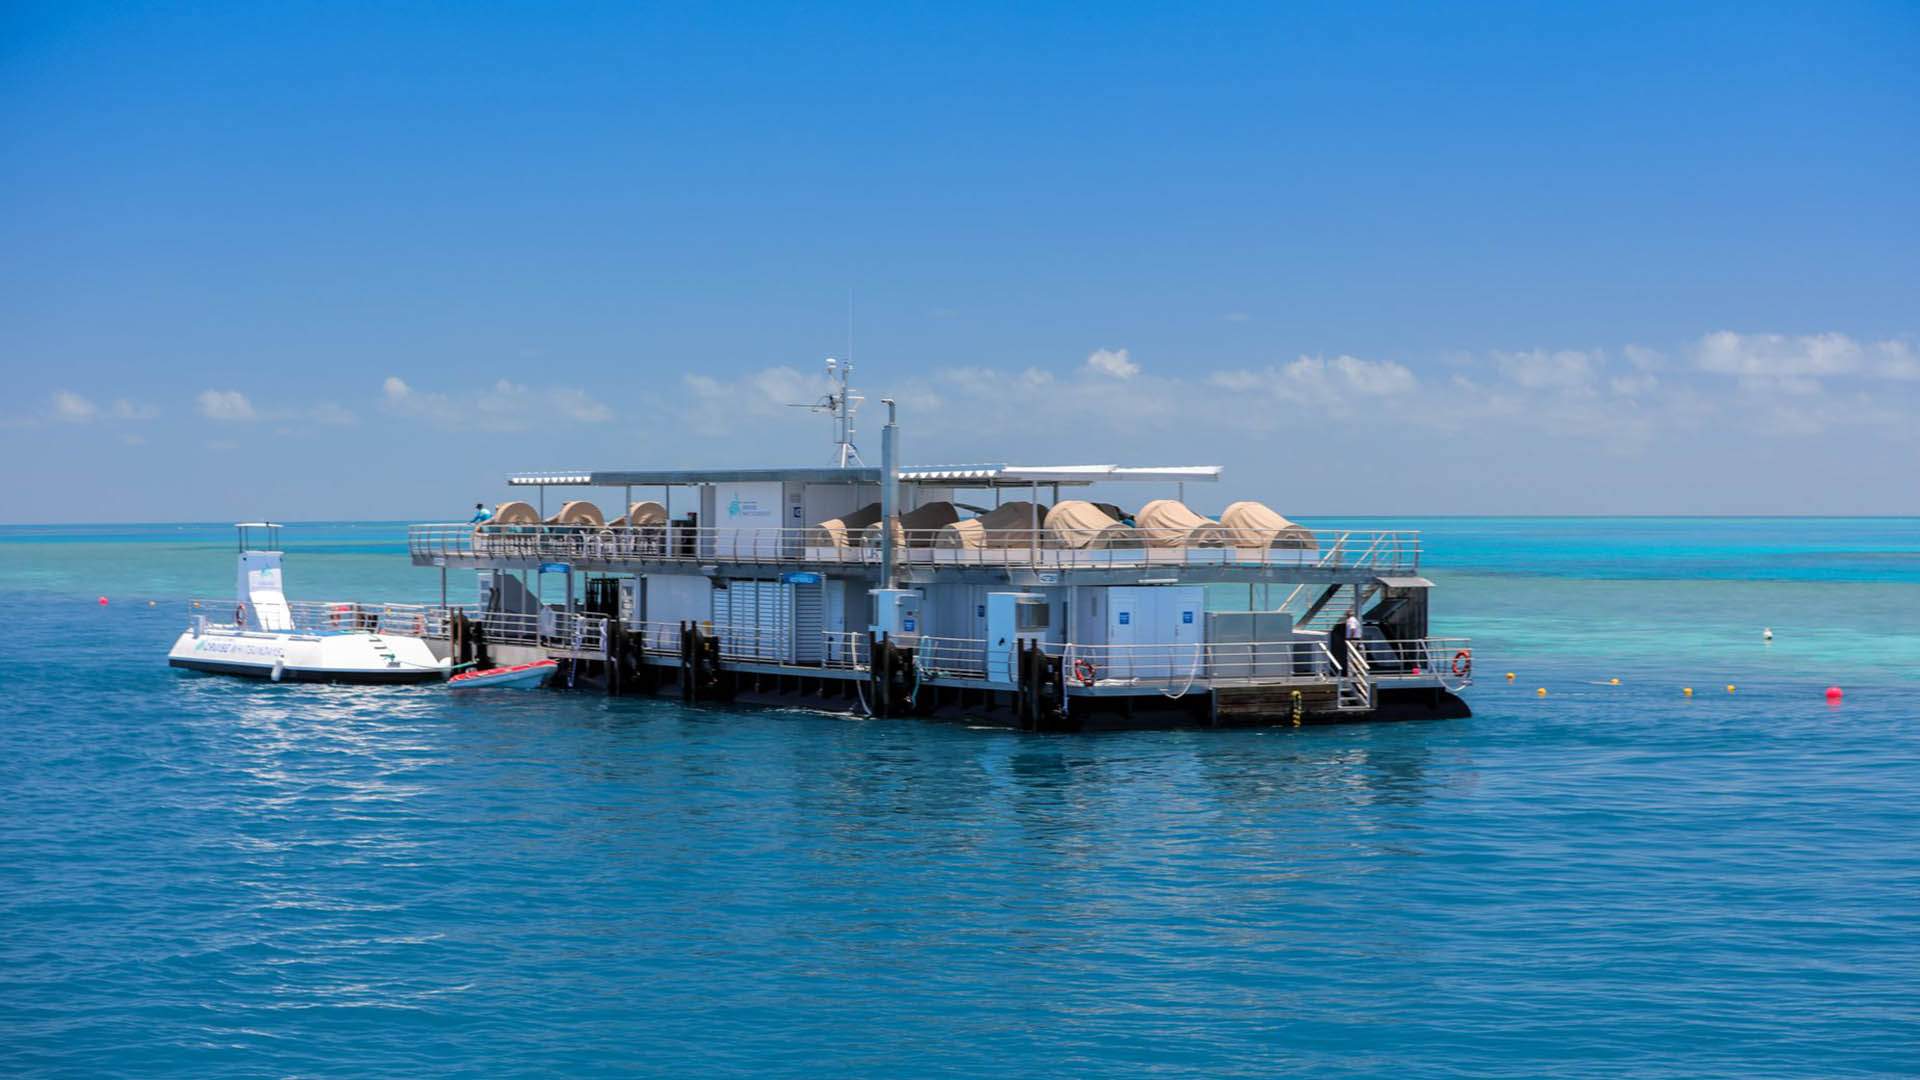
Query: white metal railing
[848, 650]
[657, 636]
[1411, 662]
[952, 656]
[1046, 549]
[580, 633]
[751, 641]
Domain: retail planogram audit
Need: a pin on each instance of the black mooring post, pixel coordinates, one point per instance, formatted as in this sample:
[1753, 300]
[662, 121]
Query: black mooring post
[689, 663]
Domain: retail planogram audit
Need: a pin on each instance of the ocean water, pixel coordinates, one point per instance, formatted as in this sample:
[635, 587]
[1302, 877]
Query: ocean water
[208, 877]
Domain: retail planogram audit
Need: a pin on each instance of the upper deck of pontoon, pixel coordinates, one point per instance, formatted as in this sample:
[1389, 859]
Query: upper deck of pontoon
[742, 520]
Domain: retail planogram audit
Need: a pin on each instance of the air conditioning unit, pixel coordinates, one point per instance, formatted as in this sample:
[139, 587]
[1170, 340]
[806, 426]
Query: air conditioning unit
[896, 613]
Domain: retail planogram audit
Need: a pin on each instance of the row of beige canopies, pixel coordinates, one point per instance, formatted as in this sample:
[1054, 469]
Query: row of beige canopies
[1072, 523]
[579, 512]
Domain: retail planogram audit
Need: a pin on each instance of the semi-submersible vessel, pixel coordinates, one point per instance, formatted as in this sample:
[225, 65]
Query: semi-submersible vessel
[983, 591]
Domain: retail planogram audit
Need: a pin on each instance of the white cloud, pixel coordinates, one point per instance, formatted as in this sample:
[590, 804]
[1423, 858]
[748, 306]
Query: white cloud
[1633, 385]
[1375, 377]
[1318, 381]
[1778, 356]
[122, 409]
[504, 406]
[576, 405]
[1113, 363]
[1566, 371]
[73, 408]
[333, 415]
[225, 405]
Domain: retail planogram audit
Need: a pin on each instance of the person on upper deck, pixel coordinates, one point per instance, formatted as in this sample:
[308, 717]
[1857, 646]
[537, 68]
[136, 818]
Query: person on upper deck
[480, 514]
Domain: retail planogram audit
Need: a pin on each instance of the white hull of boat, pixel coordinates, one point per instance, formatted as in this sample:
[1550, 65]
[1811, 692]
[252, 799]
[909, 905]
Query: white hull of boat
[299, 656]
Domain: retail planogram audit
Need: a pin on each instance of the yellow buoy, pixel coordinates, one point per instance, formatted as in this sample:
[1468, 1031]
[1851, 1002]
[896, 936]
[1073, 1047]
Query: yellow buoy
[1509, 676]
[1615, 681]
[1542, 691]
[1687, 690]
[1729, 688]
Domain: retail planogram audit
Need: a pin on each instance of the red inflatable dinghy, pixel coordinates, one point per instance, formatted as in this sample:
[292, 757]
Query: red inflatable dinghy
[522, 675]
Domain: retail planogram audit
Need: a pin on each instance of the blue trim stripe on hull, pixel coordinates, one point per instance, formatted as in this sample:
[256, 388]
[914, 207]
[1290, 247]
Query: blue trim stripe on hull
[254, 671]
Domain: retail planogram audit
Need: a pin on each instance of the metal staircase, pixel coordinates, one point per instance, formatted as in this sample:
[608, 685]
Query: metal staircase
[1356, 686]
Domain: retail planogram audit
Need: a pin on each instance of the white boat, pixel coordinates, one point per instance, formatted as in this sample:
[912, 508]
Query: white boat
[266, 641]
[522, 676]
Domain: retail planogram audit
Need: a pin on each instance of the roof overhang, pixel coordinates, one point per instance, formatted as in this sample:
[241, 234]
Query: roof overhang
[689, 477]
[1404, 582]
[976, 476]
[990, 476]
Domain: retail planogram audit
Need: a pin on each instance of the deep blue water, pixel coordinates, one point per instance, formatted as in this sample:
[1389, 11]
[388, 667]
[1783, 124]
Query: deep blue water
[209, 877]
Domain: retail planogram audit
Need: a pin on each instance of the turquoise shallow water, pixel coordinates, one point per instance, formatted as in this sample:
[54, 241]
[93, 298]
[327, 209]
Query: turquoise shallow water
[209, 877]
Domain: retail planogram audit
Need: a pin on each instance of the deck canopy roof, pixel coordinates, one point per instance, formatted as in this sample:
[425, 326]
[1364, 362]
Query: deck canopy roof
[1028, 475]
[804, 474]
[970, 476]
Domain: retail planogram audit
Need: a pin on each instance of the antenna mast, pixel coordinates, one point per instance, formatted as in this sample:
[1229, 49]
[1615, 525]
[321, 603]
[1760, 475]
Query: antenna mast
[840, 402]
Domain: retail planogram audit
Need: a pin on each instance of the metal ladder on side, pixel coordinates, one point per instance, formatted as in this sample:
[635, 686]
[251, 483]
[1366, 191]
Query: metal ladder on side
[1355, 688]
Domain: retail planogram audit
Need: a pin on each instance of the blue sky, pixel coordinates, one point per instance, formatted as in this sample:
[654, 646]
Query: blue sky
[340, 260]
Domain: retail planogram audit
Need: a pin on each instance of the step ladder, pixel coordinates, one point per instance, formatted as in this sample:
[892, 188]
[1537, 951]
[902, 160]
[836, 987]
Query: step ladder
[1355, 688]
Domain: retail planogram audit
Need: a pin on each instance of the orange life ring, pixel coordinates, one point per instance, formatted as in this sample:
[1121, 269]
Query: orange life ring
[1463, 662]
[1084, 672]
[239, 614]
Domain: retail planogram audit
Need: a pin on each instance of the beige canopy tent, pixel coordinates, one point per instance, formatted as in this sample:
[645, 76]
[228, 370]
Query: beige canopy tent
[1077, 524]
[642, 515]
[917, 527]
[1256, 525]
[1008, 525]
[514, 512]
[1169, 523]
[845, 529]
[578, 512]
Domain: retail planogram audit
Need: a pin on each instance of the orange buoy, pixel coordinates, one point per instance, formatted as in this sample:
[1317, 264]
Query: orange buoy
[1834, 695]
[1542, 692]
[1687, 690]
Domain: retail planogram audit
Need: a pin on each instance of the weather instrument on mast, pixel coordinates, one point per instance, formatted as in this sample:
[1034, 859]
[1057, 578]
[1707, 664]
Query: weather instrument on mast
[840, 402]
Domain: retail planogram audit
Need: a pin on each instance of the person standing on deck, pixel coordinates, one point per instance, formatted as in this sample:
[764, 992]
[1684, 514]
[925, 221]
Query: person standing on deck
[480, 514]
[1353, 638]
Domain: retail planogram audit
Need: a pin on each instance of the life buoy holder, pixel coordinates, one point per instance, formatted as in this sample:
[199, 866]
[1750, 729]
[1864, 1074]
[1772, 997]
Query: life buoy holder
[1083, 671]
[239, 614]
[1463, 663]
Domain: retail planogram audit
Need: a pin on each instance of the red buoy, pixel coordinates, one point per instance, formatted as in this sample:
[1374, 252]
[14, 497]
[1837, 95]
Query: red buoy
[1834, 694]
[103, 601]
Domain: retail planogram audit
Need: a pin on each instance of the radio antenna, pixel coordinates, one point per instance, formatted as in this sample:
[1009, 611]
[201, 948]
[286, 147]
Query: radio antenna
[841, 401]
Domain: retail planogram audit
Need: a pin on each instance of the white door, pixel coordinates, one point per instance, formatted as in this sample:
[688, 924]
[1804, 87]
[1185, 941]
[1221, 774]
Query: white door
[1128, 610]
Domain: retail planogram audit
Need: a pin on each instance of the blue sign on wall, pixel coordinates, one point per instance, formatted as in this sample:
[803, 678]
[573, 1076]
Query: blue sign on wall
[907, 625]
[1126, 618]
[1187, 617]
[554, 568]
[800, 577]
[980, 611]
